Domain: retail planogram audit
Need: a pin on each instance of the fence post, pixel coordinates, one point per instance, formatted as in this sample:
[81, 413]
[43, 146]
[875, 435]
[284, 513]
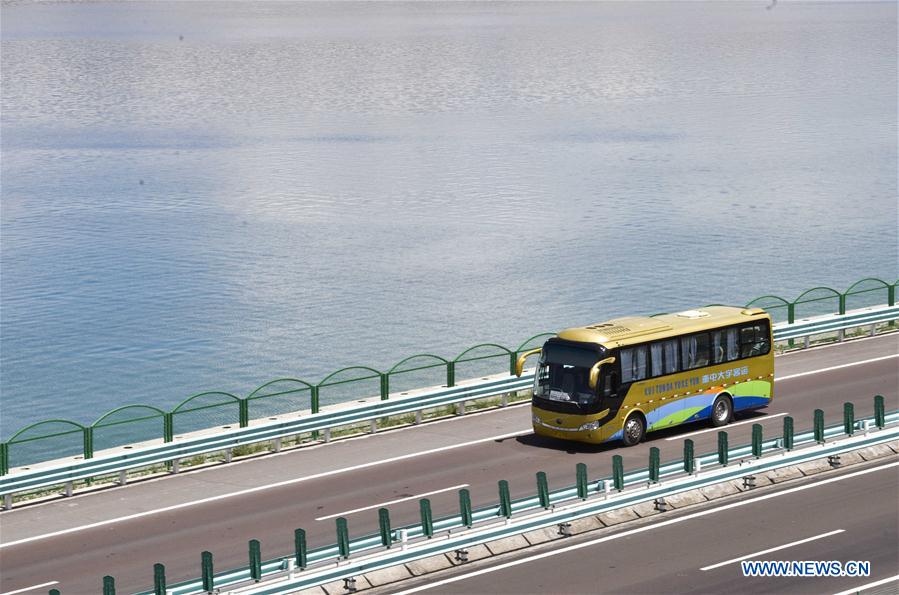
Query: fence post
[819, 426]
[842, 303]
[4, 458]
[108, 586]
[465, 507]
[849, 418]
[255, 560]
[299, 546]
[313, 393]
[168, 427]
[880, 418]
[206, 572]
[343, 538]
[385, 387]
[427, 520]
[788, 433]
[384, 527]
[543, 489]
[791, 318]
[654, 464]
[451, 373]
[88, 442]
[723, 452]
[757, 440]
[618, 472]
[891, 295]
[243, 409]
[505, 500]
[581, 480]
[688, 456]
[158, 579]
[313, 396]
[512, 359]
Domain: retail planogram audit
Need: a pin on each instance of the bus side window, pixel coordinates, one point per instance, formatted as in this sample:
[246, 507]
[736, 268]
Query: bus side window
[664, 357]
[633, 363]
[656, 359]
[747, 338]
[717, 346]
[754, 340]
[733, 348]
[702, 353]
[695, 351]
[627, 364]
[640, 353]
[671, 363]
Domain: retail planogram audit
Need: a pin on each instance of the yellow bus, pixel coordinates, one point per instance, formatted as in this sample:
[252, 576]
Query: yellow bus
[618, 380]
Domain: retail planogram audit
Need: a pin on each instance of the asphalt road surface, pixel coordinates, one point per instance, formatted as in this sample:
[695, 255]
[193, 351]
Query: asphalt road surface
[849, 516]
[123, 531]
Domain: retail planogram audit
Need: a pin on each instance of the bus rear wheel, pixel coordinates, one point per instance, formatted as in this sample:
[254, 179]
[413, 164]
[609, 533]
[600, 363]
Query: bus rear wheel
[633, 431]
[722, 411]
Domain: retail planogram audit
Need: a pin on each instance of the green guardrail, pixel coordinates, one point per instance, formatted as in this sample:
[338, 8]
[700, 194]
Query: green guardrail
[584, 487]
[139, 422]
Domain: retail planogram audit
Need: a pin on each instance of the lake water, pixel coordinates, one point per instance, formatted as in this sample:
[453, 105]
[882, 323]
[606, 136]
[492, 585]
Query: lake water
[212, 195]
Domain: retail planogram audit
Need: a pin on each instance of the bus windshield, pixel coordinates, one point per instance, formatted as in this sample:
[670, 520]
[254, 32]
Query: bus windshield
[563, 374]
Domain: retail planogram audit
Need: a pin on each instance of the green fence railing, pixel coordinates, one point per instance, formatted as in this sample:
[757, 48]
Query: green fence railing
[559, 510]
[135, 423]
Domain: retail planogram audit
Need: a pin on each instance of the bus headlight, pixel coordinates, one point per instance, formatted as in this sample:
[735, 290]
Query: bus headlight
[590, 426]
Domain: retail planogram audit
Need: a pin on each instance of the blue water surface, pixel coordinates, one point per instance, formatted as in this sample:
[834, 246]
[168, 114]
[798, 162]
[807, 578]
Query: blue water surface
[210, 195]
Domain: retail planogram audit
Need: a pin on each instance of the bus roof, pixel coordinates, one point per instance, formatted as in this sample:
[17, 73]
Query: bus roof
[620, 332]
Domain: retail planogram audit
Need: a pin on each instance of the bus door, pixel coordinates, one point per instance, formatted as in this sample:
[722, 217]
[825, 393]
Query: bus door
[611, 396]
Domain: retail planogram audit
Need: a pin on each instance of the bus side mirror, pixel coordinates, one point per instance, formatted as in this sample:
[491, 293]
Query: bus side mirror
[594, 371]
[519, 363]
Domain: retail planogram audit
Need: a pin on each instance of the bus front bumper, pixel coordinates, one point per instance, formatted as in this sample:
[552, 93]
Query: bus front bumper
[589, 432]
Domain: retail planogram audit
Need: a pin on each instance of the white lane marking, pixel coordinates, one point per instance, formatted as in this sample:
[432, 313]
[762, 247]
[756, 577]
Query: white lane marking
[334, 516]
[642, 529]
[263, 488]
[739, 423]
[773, 549]
[30, 588]
[856, 590]
[841, 366]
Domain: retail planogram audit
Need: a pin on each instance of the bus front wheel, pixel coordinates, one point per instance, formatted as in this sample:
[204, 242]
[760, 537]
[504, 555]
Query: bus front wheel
[722, 411]
[634, 429]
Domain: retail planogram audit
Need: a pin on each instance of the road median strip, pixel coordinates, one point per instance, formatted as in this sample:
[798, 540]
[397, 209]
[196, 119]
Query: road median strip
[589, 505]
[614, 520]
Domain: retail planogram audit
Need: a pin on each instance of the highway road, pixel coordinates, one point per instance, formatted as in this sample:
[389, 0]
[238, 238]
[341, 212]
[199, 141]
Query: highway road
[123, 531]
[849, 516]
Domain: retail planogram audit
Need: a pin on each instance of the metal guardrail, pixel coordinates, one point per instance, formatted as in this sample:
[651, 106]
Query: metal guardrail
[869, 317]
[38, 442]
[587, 498]
[26, 479]
[228, 439]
